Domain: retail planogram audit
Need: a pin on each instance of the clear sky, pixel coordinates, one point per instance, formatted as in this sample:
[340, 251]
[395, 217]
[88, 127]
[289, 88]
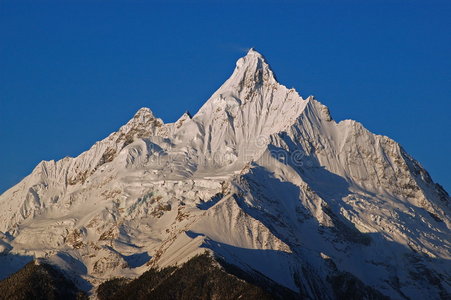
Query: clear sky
[70, 74]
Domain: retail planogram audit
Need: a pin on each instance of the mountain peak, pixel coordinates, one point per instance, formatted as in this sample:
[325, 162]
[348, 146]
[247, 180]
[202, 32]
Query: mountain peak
[253, 52]
[143, 121]
[251, 70]
[144, 111]
[253, 57]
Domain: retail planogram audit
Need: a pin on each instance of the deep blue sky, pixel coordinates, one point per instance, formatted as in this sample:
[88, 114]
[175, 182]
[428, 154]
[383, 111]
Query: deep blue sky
[70, 74]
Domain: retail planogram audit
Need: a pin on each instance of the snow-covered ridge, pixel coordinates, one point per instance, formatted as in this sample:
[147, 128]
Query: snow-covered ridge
[257, 174]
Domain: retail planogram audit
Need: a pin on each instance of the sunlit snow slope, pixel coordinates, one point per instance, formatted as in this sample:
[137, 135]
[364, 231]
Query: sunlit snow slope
[260, 177]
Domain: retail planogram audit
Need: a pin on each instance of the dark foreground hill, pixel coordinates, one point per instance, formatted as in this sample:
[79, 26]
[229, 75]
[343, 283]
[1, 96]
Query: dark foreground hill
[39, 281]
[202, 277]
[199, 278]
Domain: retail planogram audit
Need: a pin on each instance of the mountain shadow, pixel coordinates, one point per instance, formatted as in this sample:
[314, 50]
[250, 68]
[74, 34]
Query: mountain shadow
[278, 207]
[11, 263]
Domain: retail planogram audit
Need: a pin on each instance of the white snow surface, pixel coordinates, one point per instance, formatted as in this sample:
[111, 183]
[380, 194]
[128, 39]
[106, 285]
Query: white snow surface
[260, 177]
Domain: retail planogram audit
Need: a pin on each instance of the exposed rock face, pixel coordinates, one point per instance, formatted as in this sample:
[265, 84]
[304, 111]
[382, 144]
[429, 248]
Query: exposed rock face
[263, 179]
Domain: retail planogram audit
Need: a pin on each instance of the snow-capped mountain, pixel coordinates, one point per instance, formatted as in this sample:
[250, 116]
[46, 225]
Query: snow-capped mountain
[261, 178]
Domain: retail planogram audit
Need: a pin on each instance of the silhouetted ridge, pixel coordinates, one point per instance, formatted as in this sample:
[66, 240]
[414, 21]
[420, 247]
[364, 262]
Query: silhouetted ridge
[199, 278]
[39, 282]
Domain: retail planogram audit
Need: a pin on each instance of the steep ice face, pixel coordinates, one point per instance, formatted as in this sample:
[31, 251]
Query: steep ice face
[257, 174]
[234, 125]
